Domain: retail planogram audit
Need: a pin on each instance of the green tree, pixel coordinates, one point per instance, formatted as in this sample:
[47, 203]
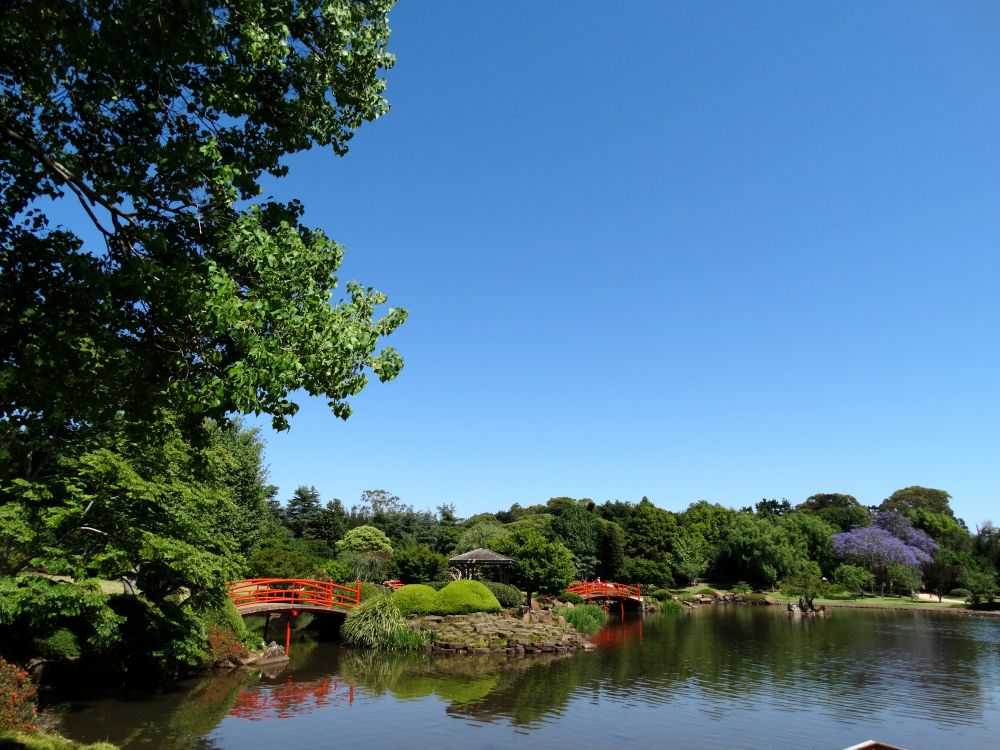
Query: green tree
[922, 498]
[611, 551]
[854, 578]
[691, 556]
[418, 564]
[161, 119]
[542, 565]
[650, 532]
[904, 579]
[303, 511]
[577, 528]
[365, 540]
[841, 511]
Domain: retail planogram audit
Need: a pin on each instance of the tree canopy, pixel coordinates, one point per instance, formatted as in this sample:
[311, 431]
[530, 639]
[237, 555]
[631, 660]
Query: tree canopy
[185, 288]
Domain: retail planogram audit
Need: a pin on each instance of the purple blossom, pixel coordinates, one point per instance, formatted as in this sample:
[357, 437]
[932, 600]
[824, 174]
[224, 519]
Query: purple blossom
[899, 526]
[876, 547]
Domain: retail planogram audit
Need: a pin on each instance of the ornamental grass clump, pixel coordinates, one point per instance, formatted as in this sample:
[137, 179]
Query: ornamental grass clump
[375, 623]
[587, 618]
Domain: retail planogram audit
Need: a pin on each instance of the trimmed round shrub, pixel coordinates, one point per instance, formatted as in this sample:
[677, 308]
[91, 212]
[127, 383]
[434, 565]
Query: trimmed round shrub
[661, 595]
[463, 597]
[707, 591]
[375, 623]
[960, 594]
[574, 599]
[507, 595]
[416, 599]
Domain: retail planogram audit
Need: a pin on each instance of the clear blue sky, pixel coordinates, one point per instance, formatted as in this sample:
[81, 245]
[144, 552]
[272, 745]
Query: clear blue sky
[692, 251]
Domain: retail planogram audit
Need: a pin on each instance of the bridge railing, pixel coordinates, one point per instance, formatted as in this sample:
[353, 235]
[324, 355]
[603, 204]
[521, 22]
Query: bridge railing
[605, 590]
[294, 591]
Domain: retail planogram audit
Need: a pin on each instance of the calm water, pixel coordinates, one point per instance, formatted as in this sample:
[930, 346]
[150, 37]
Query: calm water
[718, 677]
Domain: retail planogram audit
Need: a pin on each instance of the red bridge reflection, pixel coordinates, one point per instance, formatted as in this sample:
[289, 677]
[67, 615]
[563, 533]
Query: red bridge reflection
[613, 634]
[284, 701]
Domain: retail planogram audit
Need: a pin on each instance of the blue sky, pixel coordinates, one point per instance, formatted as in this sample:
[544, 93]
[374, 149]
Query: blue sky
[690, 251]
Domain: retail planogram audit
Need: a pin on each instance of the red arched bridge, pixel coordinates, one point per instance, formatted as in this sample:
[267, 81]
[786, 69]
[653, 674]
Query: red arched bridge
[256, 596]
[266, 596]
[603, 592]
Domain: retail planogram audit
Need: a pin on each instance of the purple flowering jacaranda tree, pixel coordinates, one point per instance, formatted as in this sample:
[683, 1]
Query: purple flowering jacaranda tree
[890, 540]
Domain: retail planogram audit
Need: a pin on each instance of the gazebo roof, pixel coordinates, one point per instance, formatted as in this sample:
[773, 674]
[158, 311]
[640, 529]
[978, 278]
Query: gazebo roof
[482, 556]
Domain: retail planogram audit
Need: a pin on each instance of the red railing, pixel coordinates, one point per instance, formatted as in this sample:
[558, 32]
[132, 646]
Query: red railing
[294, 591]
[605, 590]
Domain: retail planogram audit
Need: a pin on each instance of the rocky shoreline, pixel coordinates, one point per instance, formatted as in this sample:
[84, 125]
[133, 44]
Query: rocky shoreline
[514, 632]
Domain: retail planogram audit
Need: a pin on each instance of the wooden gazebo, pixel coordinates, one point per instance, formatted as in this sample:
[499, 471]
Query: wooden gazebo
[469, 562]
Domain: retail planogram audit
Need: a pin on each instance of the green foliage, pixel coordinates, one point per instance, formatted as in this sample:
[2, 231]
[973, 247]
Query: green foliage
[918, 498]
[165, 121]
[610, 550]
[843, 512]
[854, 578]
[334, 570]
[982, 585]
[661, 595]
[225, 617]
[587, 618]
[409, 639]
[485, 534]
[373, 591]
[541, 565]
[671, 607]
[708, 591]
[62, 644]
[418, 563]
[577, 527]
[416, 599]
[648, 572]
[375, 623]
[18, 700]
[365, 540]
[808, 585]
[691, 556]
[742, 588]
[650, 532]
[566, 596]
[224, 647]
[904, 579]
[508, 596]
[960, 594]
[463, 597]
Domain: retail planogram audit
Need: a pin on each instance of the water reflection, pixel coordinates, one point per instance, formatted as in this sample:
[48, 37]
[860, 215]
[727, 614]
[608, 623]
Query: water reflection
[707, 676]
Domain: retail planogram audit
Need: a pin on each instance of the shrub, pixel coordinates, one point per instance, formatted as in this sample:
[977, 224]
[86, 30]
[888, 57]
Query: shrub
[18, 711]
[587, 618]
[375, 623]
[960, 594]
[372, 591]
[742, 588]
[661, 595]
[223, 645]
[225, 616]
[708, 591]
[463, 597]
[438, 585]
[566, 596]
[507, 595]
[416, 599]
[62, 644]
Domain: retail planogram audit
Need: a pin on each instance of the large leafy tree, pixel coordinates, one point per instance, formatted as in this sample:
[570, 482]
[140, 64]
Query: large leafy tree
[181, 286]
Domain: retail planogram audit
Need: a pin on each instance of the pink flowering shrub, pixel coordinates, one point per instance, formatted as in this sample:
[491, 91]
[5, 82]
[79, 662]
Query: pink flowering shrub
[17, 699]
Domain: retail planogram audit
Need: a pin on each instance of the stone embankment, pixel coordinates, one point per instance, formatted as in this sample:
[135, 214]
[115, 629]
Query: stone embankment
[514, 632]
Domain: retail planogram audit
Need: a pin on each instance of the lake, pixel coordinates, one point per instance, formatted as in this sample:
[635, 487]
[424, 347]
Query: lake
[715, 677]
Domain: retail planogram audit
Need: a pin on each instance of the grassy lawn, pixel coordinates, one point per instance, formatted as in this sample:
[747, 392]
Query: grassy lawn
[867, 601]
